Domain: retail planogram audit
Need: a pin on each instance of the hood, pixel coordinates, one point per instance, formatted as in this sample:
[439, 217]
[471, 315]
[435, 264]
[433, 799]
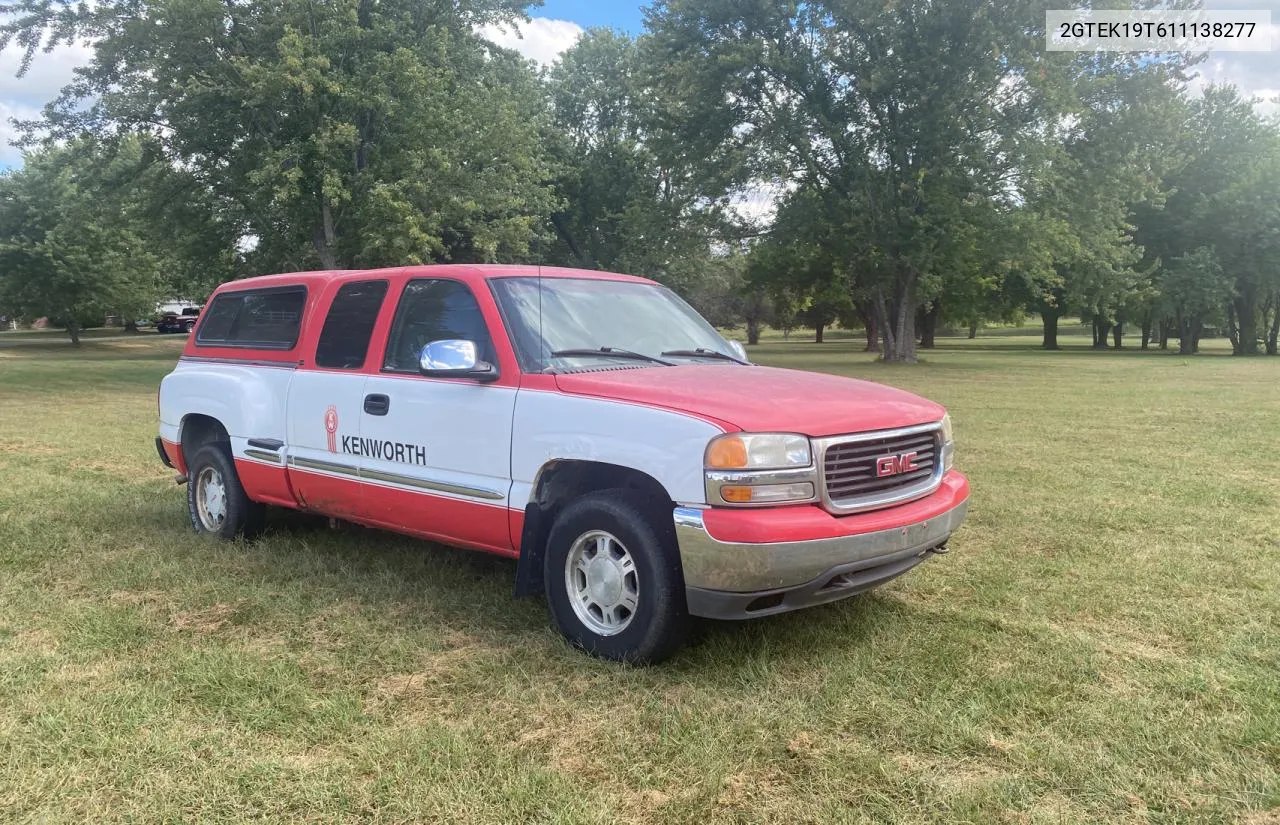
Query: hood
[761, 399]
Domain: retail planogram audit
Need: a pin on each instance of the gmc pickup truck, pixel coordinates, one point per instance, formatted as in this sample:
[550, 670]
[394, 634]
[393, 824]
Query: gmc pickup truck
[590, 425]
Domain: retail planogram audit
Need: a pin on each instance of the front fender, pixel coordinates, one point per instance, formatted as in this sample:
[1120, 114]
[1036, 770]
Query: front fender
[664, 444]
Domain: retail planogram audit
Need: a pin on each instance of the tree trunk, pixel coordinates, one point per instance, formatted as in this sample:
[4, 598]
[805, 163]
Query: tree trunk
[818, 329]
[1100, 328]
[130, 326]
[1117, 334]
[753, 331]
[1164, 333]
[929, 329]
[73, 329]
[1186, 341]
[1050, 318]
[1246, 306]
[1146, 330]
[866, 309]
[322, 236]
[1233, 329]
[973, 330]
[1273, 336]
[897, 321]
[1196, 332]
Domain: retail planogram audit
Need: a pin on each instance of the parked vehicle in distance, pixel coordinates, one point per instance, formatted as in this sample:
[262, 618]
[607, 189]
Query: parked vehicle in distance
[183, 321]
[592, 426]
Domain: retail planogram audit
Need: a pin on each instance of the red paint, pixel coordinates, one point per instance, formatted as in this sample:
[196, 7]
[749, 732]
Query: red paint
[515, 520]
[174, 451]
[809, 521]
[265, 483]
[323, 286]
[325, 494]
[438, 518]
[451, 521]
[762, 399]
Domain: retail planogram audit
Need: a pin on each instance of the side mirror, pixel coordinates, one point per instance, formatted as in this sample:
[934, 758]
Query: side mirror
[739, 350]
[455, 359]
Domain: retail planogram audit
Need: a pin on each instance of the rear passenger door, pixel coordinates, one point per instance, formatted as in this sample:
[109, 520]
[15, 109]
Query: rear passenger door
[436, 452]
[325, 398]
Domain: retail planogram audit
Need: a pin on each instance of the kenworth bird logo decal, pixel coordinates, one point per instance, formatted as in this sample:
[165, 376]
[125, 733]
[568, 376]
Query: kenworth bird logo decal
[331, 427]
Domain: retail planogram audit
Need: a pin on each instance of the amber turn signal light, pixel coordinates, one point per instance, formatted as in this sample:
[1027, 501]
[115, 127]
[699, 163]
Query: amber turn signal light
[728, 453]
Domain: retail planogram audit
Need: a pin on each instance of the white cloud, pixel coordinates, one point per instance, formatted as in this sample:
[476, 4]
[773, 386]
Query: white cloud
[23, 97]
[542, 39]
[47, 75]
[9, 155]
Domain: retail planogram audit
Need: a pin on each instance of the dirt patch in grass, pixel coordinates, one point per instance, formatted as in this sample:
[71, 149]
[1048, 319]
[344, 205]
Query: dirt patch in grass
[209, 620]
[26, 448]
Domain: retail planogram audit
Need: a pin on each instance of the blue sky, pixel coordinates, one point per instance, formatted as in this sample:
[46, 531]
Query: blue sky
[588, 13]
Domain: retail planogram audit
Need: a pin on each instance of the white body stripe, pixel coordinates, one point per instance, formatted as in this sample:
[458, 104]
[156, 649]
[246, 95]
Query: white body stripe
[482, 443]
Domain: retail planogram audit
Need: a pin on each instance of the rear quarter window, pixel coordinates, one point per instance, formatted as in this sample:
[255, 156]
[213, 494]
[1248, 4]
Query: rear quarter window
[254, 318]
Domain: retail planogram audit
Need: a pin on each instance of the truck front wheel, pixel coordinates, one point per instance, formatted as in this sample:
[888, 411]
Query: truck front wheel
[613, 579]
[216, 501]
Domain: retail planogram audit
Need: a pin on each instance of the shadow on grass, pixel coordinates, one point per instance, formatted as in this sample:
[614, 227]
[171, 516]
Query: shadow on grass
[466, 591]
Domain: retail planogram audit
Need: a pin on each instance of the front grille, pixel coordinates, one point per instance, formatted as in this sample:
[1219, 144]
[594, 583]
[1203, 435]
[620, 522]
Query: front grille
[850, 480]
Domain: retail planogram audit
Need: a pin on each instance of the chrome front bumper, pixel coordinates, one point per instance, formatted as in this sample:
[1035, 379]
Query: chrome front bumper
[736, 581]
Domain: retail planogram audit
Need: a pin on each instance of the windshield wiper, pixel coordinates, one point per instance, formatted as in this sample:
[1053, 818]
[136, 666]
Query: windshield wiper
[702, 352]
[610, 352]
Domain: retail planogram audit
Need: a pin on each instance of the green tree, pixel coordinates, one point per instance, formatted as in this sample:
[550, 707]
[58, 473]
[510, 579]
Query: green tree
[72, 245]
[1194, 290]
[913, 116]
[623, 207]
[339, 134]
[1224, 195]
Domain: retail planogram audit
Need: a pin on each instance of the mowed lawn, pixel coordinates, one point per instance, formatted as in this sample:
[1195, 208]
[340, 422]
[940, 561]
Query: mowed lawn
[1102, 643]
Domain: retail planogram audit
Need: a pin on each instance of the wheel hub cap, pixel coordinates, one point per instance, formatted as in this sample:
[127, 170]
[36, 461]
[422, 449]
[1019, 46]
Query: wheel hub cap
[211, 499]
[602, 582]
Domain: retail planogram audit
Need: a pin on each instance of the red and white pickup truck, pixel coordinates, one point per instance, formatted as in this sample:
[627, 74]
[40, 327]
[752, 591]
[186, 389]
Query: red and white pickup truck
[591, 425]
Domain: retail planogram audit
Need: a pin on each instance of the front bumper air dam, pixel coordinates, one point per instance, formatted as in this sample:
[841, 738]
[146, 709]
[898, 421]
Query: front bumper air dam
[742, 581]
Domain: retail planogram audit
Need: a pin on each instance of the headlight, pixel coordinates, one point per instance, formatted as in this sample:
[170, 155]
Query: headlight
[745, 469]
[948, 444]
[758, 451]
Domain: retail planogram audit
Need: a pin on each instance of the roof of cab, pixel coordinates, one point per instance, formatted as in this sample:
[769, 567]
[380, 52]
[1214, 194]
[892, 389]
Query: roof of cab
[462, 272]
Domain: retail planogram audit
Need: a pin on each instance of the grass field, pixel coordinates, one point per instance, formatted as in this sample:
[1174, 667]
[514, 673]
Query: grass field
[1102, 645]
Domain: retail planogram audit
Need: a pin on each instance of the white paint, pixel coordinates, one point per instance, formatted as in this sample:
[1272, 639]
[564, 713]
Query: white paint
[666, 445]
[464, 426]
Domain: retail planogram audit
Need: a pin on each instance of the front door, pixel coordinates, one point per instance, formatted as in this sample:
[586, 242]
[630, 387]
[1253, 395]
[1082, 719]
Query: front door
[435, 453]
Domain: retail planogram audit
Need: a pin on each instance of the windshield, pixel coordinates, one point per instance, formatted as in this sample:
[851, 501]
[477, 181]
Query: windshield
[582, 314]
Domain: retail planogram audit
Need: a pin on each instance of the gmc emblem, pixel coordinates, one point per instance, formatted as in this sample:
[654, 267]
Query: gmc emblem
[891, 465]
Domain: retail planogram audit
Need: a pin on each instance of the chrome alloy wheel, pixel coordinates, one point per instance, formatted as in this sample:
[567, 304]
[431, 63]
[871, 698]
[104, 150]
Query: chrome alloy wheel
[602, 583]
[211, 499]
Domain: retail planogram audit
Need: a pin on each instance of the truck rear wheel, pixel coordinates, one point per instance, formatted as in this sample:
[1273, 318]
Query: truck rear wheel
[216, 501]
[613, 579]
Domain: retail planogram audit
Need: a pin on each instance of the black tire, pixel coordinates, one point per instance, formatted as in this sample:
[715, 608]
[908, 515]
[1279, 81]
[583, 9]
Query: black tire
[239, 515]
[660, 621]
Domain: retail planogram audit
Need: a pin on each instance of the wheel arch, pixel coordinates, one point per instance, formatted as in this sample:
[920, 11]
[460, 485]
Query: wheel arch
[199, 429]
[560, 481]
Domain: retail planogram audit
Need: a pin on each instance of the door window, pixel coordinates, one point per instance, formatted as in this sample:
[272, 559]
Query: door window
[434, 310]
[344, 340]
